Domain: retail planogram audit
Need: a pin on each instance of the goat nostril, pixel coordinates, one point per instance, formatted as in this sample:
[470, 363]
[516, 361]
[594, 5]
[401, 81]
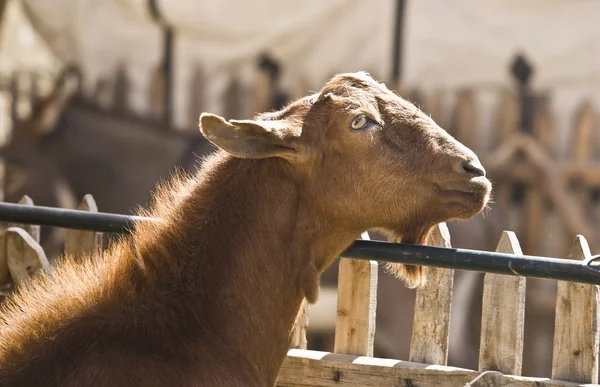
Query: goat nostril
[473, 168]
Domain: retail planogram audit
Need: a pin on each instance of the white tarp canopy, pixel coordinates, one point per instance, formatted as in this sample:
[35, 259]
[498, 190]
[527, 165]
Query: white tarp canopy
[312, 39]
[450, 44]
[463, 43]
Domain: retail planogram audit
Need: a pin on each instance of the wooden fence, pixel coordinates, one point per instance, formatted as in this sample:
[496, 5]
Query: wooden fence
[576, 336]
[546, 177]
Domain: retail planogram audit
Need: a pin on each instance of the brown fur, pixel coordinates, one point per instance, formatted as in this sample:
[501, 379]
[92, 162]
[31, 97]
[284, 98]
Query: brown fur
[208, 295]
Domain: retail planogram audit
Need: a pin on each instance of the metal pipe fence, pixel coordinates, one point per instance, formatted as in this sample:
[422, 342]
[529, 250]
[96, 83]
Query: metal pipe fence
[586, 271]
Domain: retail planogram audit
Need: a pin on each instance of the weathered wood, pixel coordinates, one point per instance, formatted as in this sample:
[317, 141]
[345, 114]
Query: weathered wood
[80, 242]
[322, 369]
[158, 92]
[503, 316]
[544, 129]
[431, 323]
[582, 149]
[197, 93]
[298, 336]
[576, 335]
[233, 103]
[299, 90]
[534, 216]
[263, 92]
[25, 255]
[583, 143]
[435, 106]
[357, 301]
[33, 230]
[552, 184]
[506, 118]
[464, 120]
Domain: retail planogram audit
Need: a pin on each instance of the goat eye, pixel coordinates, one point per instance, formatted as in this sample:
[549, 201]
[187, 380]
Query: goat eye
[359, 122]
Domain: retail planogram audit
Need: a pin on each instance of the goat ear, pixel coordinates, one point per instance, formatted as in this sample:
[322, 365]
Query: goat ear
[252, 139]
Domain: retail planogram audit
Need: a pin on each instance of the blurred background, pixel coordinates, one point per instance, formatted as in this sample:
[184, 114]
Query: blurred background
[103, 97]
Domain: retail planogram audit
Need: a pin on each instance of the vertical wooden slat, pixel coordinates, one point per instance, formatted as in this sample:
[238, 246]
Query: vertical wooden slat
[506, 124]
[581, 150]
[503, 316]
[464, 119]
[431, 324]
[576, 336]
[536, 213]
[263, 92]
[32, 229]
[435, 106]
[233, 98]
[357, 302]
[25, 255]
[81, 242]
[582, 143]
[299, 331]
[158, 92]
[544, 129]
[121, 90]
[507, 118]
[197, 93]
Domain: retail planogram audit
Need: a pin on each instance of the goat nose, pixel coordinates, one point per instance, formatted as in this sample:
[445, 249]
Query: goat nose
[473, 168]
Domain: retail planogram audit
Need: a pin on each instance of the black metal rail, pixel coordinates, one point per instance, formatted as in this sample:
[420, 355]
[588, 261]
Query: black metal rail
[529, 266]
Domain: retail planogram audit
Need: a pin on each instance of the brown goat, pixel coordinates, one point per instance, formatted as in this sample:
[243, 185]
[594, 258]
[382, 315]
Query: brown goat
[209, 295]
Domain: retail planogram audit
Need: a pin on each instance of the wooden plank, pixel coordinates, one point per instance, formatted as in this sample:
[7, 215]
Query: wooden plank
[323, 369]
[197, 93]
[298, 336]
[233, 94]
[431, 323]
[31, 229]
[534, 217]
[435, 106]
[80, 242]
[503, 316]
[25, 255]
[583, 141]
[576, 335]
[506, 118]
[357, 301]
[544, 129]
[464, 120]
[263, 92]
[582, 148]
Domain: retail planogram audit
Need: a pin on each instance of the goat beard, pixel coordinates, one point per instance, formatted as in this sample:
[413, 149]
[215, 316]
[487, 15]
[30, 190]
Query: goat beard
[413, 276]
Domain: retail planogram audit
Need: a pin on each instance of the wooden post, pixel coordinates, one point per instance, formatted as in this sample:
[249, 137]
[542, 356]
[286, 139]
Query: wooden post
[80, 242]
[357, 302]
[429, 341]
[576, 336]
[197, 93]
[31, 229]
[25, 255]
[535, 209]
[436, 106]
[263, 92]
[506, 118]
[232, 98]
[503, 316]
[581, 150]
[299, 331]
[464, 120]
